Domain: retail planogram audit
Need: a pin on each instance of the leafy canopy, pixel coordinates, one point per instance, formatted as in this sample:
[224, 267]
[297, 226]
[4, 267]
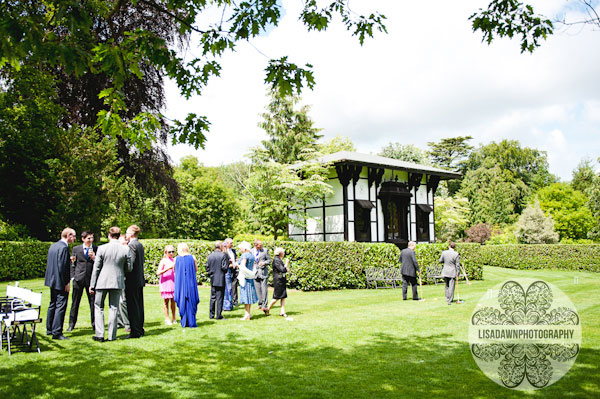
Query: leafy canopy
[59, 34]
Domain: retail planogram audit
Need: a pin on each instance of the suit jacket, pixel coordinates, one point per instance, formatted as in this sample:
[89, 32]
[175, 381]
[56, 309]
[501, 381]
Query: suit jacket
[216, 267]
[410, 267]
[81, 270]
[135, 278]
[58, 265]
[112, 261]
[234, 271]
[451, 262]
[263, 256]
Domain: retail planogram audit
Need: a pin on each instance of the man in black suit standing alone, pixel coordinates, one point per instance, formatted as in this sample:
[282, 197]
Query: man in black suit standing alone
[409, 270]
[216, 267]
[135, 282]
[81, 273]
[58, 278]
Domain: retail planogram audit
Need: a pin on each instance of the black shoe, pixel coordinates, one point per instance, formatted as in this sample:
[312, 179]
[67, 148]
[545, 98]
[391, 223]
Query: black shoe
[130, 336]
[69, 329]
[99, 339]
[59, 337]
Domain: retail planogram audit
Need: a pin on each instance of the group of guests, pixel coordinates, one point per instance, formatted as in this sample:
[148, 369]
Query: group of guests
[410, 269]
[114, 270]
[227, 272]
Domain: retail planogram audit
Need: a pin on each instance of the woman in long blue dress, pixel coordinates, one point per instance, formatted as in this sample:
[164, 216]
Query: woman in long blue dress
[247, 291]
[227, 298]
[186, 286]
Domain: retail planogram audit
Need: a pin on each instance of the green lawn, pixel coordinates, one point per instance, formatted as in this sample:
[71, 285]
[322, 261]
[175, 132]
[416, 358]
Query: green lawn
[351, 343]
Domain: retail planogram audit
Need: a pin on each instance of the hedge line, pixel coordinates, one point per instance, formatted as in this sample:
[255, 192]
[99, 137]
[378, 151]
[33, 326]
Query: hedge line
[314, 265]
[543, 256]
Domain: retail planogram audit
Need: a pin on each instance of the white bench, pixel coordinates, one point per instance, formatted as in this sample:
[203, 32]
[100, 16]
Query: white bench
[18, 310]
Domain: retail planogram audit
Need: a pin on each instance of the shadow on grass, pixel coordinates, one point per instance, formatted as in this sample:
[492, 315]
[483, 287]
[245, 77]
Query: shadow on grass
[232, 366]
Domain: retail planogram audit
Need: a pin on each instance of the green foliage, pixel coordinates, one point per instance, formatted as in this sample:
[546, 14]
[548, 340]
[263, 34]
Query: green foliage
[594, 205]
[505, 236]
[63, 35]
[494, 195]
[292, 136]
[533, 227]
[508, 18]
[207, 208]
[405, 152]
[336, 144]
[314, 265]
[450, 153]
[542, 256]
[572, 218]
[22, 260]
[583, 176]
[278, 194]
[526, 164]
[451, 218]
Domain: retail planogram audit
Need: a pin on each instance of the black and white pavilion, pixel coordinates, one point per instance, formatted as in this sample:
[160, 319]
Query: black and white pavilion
[374, 199]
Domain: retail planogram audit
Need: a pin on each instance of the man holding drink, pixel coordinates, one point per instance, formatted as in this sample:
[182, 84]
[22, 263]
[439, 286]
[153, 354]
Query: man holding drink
[82, 263]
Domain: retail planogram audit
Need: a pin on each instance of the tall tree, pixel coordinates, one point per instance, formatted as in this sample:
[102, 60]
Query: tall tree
[450, 152]
[76, 36]
[291, 131]
[405, 152]
[526, 164]
[572, 218]
[278, 194]
[583, 176]
[494, 195]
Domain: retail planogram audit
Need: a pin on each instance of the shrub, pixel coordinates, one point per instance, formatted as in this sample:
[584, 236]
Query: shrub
[534, 227]
[478, 233]
[23, 260]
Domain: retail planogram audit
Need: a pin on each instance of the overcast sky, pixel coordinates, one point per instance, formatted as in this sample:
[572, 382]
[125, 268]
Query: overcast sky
[429, 78]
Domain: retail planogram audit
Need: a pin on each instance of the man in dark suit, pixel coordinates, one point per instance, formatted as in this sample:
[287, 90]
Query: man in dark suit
[262, 262]
[81, 273]
[134, 283]
[234, 270]
[58, 278]
[216, 267]
[409, 270]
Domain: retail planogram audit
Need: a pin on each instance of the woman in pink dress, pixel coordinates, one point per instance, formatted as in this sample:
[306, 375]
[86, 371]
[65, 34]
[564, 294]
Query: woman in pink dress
[166, 271]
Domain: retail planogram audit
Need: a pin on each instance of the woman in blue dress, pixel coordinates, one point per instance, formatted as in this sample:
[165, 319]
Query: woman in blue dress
[186, 286]
[246, 279]
[227, 298]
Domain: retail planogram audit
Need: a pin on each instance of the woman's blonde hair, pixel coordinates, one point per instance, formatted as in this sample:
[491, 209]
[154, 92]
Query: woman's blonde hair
[167, 249]
[278, 251]
[183, 249]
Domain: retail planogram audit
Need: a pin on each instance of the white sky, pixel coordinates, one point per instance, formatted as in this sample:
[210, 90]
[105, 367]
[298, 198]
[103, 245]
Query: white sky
[429, 78]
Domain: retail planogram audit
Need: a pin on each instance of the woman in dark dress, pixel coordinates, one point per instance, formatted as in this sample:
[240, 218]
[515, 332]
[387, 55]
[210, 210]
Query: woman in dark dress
[279, 281]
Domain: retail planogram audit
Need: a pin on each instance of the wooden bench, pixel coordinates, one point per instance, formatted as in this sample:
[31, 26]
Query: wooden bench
[19, 310]
[386, 276]
[434, 273]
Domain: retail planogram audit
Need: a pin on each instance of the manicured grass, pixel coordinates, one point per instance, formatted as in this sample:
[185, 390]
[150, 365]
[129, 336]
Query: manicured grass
[351, 343]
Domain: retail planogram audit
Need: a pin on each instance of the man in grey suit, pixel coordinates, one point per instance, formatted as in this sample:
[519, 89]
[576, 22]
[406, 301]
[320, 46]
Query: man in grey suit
[108, 278]
[451, 262]
[262, 262]
[58, 279]
[409, 270]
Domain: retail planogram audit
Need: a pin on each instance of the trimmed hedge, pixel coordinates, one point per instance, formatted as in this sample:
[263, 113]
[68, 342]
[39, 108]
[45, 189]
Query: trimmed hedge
[22, 260]
[314, 265]
[543, 256]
